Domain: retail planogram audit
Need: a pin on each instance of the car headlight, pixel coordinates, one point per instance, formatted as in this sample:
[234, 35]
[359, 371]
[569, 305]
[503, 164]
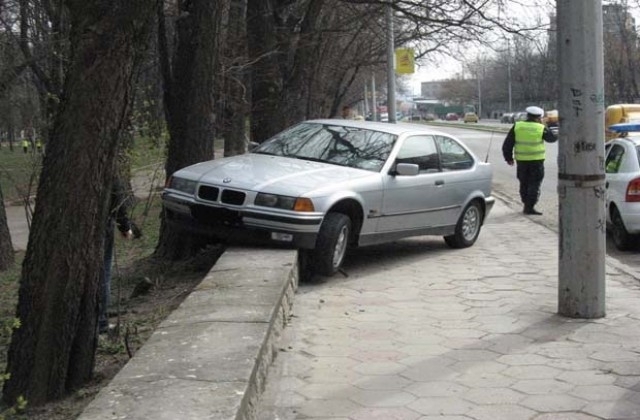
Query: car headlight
[183, 185]
[284, 202]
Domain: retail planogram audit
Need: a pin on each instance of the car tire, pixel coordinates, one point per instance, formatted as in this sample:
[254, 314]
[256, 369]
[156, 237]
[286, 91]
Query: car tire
[621, 238]
[332, 244]
[467, 228]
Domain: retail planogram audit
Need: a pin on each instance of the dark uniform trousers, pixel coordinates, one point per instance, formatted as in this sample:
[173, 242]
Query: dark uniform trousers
[530, 175]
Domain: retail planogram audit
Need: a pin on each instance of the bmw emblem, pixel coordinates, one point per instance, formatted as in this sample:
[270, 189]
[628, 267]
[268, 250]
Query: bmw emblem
[226, 180]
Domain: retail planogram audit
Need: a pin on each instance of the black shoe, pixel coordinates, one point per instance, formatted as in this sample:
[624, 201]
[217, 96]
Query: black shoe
[532, 211]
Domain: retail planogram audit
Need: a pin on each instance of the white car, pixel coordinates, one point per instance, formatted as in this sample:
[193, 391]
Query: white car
[325, 185]
[622, 168]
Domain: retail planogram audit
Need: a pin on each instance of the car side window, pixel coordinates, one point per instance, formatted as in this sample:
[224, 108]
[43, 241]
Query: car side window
[614, 158]
[453, 157]
[420, 150]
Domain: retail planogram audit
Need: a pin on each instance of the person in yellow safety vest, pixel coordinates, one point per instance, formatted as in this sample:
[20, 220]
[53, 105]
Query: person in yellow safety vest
[526, 143]
[25, 145]
[39, 145]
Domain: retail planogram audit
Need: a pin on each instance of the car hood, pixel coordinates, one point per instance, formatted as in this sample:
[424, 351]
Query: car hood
[273, 174]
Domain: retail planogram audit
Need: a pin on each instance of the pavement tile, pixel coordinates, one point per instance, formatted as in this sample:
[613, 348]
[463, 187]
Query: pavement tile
[381, 398]
[501, 412]
[385, 414]
[494, 396]
[441, 406]
[553, 403]
[614, 410]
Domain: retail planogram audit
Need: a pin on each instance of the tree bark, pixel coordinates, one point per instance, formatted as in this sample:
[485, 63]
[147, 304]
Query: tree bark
[189, 105]
[267, 119]
[236, 94]
[53, 351]
[6, 247]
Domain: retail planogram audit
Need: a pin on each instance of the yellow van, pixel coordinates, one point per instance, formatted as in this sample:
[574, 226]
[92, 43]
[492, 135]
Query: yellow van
[619, 113]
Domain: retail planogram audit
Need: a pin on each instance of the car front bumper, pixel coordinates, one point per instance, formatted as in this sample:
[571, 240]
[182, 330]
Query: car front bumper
[245, 225]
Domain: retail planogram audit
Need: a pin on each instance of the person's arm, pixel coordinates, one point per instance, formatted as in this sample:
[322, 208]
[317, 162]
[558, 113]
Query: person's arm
[548, 135]
[120, 208]
[508, 145]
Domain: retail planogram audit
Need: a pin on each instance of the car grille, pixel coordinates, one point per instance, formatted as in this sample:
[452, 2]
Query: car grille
[232, 197]
[208, 193]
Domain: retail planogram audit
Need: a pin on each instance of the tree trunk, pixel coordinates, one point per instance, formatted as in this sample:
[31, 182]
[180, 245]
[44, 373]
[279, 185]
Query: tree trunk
[266, 81]
[53, 351]
[236, 94]
[189, 104]
[6, 247]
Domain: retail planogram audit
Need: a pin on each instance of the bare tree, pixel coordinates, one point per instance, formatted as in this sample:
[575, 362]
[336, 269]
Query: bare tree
[234, 92]
[53, 351]
[189, 77]
[6, 247]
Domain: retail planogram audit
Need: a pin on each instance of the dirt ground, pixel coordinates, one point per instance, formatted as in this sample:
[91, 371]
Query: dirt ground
[161, 289]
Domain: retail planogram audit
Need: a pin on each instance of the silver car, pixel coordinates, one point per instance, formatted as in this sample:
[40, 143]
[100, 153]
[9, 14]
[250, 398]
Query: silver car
[325, 185]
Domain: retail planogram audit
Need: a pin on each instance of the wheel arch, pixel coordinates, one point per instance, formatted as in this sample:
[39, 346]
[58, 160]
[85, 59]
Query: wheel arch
[353, 209]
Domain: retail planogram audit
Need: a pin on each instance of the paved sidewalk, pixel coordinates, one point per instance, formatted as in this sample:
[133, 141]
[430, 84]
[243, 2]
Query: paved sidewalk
[435, 333]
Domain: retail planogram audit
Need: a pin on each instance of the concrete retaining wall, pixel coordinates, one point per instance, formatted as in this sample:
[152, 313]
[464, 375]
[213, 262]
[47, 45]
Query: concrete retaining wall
[209, 359]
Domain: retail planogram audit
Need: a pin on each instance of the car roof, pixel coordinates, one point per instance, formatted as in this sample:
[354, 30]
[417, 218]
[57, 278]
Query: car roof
[398, 128]
[632, 137]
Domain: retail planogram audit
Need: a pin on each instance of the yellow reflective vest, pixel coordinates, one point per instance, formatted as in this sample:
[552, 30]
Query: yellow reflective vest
[529, 142]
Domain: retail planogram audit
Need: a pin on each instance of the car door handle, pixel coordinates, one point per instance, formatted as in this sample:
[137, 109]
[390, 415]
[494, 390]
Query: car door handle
[440, 182]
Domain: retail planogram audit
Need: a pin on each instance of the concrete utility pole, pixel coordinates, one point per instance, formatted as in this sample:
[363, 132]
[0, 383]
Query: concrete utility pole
[479, 94]
[581, 189]
[391, 74]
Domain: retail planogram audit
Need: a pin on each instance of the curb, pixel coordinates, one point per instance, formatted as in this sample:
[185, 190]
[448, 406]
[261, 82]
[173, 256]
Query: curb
[210, 357]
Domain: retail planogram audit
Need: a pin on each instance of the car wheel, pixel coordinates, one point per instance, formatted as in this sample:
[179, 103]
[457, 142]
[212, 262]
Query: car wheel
[467, 228]
[619, 234]
[332, 243]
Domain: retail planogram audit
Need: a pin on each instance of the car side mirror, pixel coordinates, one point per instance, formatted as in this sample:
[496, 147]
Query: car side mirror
[406, 169]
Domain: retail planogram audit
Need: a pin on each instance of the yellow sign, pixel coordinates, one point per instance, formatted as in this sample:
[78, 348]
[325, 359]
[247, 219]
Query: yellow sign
[404, 61]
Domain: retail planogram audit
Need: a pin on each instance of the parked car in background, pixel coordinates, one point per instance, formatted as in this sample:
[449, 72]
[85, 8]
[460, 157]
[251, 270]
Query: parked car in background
[470, 117]
[622, 172]
[507, 118]
[325, 185]
[452, 116]
[520, 116]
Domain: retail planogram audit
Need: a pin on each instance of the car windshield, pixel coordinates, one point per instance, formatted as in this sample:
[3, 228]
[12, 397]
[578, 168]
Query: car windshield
[335, 144]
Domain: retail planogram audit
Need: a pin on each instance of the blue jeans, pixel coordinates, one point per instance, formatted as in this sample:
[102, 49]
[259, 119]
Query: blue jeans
[105, 279]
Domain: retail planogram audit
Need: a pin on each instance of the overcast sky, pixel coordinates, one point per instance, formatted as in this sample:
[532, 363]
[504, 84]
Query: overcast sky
[530, 10]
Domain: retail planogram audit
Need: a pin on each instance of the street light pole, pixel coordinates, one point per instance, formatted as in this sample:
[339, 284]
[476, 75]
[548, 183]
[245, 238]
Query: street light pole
[509, 70]
[581, 178]
[391, 78]
[479, 94]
